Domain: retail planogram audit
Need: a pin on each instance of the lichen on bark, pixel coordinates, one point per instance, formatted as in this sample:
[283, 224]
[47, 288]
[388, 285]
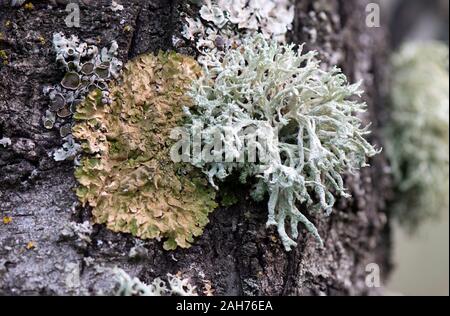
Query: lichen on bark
[127, 176]
[418, 131]
[302, 119]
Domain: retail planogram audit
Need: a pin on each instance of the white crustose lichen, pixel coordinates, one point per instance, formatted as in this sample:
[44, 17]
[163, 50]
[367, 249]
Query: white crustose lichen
[128, 286]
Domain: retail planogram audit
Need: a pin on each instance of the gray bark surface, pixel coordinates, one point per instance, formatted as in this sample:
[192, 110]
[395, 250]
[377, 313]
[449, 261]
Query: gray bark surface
[236, 253]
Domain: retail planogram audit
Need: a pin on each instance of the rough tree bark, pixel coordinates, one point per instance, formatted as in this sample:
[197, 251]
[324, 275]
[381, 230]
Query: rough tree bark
[236, 252]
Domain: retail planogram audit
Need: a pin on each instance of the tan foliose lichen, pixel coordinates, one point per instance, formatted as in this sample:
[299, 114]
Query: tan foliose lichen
[128, 177]
[418, 131]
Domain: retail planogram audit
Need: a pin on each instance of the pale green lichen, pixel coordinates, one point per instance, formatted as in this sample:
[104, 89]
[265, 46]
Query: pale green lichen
[223, 24]
[418, 131]
[304, 116]
[175, 286]
[127, 176]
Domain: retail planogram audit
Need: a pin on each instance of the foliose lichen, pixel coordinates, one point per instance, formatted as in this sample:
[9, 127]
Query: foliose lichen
[223, 23]
[127, 176]
[304, 117]
[418, 131]
[175, 286]
[87, 69]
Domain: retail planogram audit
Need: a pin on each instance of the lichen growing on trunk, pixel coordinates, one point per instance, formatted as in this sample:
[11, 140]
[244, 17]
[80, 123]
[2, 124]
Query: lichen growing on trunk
[222, 24]
[127, 176]
[418, 131]
[175, 286]
[305, 122]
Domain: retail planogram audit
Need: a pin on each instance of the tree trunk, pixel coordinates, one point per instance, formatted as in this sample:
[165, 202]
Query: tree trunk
[236, 253]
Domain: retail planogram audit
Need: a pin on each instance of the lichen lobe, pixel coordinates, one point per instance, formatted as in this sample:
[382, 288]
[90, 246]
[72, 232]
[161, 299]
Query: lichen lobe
[127, 176]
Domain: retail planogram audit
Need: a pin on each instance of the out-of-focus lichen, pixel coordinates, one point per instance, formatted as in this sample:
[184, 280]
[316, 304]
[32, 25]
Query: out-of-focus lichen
[418, 132]
[223, 23]
[175, 286]
[3, 57]
[128, 176]
[303, 117]
[87, 69]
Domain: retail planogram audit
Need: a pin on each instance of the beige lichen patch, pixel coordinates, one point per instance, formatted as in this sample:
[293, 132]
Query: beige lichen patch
[129, 178]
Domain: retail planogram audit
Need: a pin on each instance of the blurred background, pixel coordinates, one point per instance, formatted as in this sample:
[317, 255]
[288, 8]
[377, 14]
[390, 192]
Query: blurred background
[421, 259]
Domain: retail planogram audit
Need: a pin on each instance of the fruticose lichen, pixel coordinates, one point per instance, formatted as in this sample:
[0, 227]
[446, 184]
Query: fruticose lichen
[87, 69]
[418, 131]
[303, 116]
[175, 286]
[128, 176]
[223, 23]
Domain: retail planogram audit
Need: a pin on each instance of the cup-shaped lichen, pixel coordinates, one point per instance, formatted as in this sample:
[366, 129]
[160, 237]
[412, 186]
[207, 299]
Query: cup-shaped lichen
[127, 175]
[305, 117]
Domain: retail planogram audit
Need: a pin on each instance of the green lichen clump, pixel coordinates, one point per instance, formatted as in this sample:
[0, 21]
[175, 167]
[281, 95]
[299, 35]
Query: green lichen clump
[418, 131]
[127, 176]
[302, 114]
